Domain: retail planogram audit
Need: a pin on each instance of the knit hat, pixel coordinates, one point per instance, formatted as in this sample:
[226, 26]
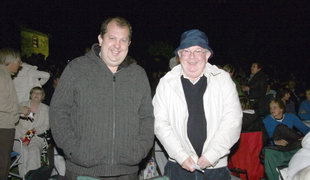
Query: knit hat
[194, 37]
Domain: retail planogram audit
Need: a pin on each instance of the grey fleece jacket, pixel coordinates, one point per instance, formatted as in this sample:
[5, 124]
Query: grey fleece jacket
[102, 121]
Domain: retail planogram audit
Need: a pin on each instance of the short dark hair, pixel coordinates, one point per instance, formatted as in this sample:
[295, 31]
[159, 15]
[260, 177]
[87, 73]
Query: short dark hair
[121, 22]
[280, 103]
[281, 92]
[258, 64]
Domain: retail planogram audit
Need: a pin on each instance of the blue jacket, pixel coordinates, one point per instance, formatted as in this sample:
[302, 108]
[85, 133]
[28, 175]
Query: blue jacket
[304, 110]
[290, 120]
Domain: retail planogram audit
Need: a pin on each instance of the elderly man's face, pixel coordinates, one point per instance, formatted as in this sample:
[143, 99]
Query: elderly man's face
[193, 61]
[114, 45]
[14, 66]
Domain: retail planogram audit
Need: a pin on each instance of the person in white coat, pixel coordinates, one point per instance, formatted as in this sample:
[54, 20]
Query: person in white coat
[299, 166]
[197, 113]
[28, 77]
[37, 123]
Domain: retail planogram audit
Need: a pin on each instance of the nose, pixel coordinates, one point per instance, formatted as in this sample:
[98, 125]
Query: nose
[117, 44]
[191, 55]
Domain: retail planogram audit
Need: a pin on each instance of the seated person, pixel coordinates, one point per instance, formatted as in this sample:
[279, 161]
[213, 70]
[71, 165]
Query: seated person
[29, 130]
[285, 95]
[232, 72]
[279, 126]
[250, 120]
[270, 90]
[304, 109]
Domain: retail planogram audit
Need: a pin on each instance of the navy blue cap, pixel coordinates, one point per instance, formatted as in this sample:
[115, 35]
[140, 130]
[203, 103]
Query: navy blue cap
[194, 37]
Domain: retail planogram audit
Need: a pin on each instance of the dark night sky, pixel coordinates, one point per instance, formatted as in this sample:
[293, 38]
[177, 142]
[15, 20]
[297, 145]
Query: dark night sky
[237, 31]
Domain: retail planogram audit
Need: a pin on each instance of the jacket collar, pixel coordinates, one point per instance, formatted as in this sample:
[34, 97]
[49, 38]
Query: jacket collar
[210, 70]
[174, 77]
[95, 50]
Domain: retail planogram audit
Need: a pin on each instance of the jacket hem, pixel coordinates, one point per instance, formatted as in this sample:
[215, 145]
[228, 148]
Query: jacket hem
[101, 170]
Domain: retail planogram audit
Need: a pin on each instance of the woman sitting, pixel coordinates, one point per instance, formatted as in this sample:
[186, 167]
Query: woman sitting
[279, 126]
[30, 130]
[285, 96]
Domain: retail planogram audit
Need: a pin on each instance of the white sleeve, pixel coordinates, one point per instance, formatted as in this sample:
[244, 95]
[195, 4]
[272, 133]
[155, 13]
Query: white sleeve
[42, 76]
[229, 129]
[163, 130]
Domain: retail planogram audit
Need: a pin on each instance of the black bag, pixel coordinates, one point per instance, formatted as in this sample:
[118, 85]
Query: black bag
[288, 134]
[42, 173]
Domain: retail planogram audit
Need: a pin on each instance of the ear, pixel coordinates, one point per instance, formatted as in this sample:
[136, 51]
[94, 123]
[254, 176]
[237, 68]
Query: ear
[208, 54]
[100, 39]
[179, 54]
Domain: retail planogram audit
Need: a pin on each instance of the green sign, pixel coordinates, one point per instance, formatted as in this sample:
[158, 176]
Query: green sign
[33, 42]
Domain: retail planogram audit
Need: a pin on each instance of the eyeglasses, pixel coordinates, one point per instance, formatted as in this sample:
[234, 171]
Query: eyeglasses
[197, 52]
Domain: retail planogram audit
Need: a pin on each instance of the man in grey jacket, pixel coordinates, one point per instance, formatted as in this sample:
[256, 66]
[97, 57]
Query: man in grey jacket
[9, 109]
[101, 114]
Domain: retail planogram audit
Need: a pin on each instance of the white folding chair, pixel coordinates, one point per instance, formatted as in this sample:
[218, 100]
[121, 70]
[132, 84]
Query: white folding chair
[18, 159]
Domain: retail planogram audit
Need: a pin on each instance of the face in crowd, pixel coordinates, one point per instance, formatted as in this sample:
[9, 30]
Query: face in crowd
[114, 45]
[255, 68]
[193, 60]
[37, 95]
[275, 110]
[287, 96]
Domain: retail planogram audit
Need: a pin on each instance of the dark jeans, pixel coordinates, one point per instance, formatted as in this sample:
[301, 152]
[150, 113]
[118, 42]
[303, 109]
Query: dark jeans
[175, 172]
[72, 176]
[6, 146]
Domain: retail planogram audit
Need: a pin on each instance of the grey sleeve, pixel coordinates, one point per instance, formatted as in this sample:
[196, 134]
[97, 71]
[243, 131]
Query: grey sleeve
[146, 117]
[60, 113]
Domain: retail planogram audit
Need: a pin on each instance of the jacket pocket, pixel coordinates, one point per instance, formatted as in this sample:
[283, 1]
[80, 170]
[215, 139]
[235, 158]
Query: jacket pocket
[133, 155]
[88, 154]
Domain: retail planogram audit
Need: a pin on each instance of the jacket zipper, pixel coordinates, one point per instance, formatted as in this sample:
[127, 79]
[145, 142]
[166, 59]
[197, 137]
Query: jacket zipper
[113, 128]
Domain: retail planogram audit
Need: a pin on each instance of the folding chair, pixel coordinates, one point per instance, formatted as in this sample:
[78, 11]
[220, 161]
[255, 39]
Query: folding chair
[244, 161]
[282, 170]
[18, 159]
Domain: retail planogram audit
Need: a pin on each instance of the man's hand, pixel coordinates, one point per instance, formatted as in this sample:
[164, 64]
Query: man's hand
[188, 164]
[25, 110]
[203, 162]
[280, 142]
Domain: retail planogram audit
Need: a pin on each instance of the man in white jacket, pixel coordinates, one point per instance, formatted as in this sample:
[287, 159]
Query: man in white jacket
[299, 166]
[197, 113]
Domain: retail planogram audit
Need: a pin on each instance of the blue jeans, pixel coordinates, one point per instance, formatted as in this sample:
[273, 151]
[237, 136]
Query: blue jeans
[175, 172]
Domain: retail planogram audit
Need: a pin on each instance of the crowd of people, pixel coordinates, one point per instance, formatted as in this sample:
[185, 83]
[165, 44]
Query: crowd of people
[102, 115]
